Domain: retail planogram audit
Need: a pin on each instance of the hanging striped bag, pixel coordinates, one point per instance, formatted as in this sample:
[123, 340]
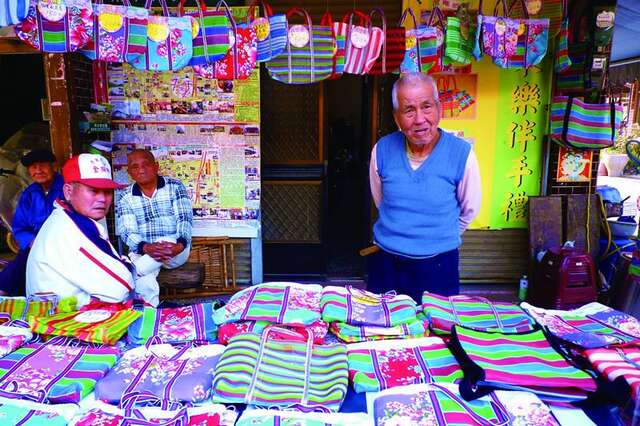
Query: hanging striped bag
[40, 305]
[393, 46]
[374, 366]
[270, 29]
[174, 325]
[562, 59]
[363, 42]
[95, 325]
[309, 54]
[474, 312]
[460, 37]
[363, 333]
[576, 124]
[54, 372]
[524, 361]
[57, 26]
[431, 44]
[120, 32]
[257, 369]
[211, 29]
[339, 46]
[15, 12]
[360, 307]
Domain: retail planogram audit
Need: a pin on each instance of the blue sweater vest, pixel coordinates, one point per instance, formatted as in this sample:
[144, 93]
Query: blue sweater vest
[419, 212]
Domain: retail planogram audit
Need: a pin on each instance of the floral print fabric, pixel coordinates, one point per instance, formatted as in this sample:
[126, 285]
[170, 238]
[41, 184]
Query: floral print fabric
[169, 44]
[227, 331]
[11, 338]
[238, 63]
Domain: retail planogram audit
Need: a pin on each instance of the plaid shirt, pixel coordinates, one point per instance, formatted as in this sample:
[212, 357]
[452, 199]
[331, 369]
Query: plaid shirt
[140, 219]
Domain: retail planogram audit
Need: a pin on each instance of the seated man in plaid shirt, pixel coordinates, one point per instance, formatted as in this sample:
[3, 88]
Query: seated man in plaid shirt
[154, 218]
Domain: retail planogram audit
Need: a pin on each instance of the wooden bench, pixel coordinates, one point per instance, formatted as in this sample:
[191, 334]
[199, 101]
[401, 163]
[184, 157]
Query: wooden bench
[183, 281]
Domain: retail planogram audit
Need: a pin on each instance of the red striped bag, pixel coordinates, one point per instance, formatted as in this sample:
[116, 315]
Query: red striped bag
[393, 46]
[363, 42]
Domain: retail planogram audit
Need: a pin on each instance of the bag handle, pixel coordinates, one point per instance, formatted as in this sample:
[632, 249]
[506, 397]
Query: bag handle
[234, 28]
[268, 12]
[202, 8]
[133, 416]
[505, 8]
[40, 297]
[302, 12]
[523, 5]
[364, 20]
[383, 19]
[163, 4]
[453, 299]
[437, 13]
[504, 418]
[409, 11]
[263, 341]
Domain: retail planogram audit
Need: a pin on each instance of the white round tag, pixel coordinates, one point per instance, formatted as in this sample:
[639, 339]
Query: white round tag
[53, 10]
[90, 317]
[261, 27]
[298, 35]
[359, 36]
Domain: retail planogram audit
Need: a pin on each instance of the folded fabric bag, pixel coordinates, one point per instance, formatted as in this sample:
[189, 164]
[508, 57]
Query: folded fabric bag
[174, 325]
[277, 302]
[362, 333]
[474, 312]
[618, 364]
[230, 329]
[374, 366]
[524, 361]
[27, 413]
[441, 404]
[102, 325]
[258, 369]
[11, 338]
[591, 326]
[360, 307]
[168, 373]
[262, 417]
[54, 373]
[39, 305]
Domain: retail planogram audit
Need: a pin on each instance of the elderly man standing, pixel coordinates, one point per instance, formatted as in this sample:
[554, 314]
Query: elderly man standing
[34, 207]
[72, 255]
[426, 185]
[154, 219]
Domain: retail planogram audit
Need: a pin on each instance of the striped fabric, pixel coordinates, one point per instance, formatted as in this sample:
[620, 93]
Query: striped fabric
[573, 80]
[393, 46]
[276, 40]
[39, 305]
[473, 312]
[618, 363]
[117, 44]
[563, 61]
[174, 325]
[360, 307]
[359, 60]
[263, 417]
[587, 126]
[169, 44]
[551, 9]
[278, 303]
[374, 366]
[212, 41]
[525, 361]
[591, 326]
[230, 329]
[14, 12]
[259, 370]
[68, 34]
[457, 49]
[355, 333]
[95, 326]
[54, 373]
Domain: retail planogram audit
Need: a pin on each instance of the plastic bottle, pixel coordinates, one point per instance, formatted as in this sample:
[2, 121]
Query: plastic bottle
[522, 289]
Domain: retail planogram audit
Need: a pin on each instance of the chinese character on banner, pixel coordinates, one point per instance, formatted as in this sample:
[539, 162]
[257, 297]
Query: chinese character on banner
[516, 206]
[526, 99]
[520, 169]
[522, 134]
[574, 166]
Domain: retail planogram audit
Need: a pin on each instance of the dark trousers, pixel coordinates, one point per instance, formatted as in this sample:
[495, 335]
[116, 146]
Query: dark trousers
[438, 274]
[13, 277]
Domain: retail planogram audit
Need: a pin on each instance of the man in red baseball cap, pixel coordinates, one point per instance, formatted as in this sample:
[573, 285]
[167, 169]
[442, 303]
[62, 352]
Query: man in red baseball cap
[72, 255]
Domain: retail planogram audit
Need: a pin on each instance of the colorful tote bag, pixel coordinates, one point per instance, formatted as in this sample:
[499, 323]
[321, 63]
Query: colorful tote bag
[360, 307]
[418, 39]
[240, 60]
[277, 302]
[54, 373]
[590, 326]
[363, 42]
[374, 366]
[473, 312]
[170, 374]
[57, 26]
[91, 325]
[339, 46]
[618, 364]
[579, 125]
[15, 12]
[270, 29]
[497, 36]
[211, 42]
[309, 54]
[547, 9]
[256, 369]
[11, 338]
[364, 333]
[441, 404]
[99, 413]
[120, 33]
[524, 361]
[26, 413]
[174, 325]
[42, 304]
[318, 328]
[562, 59]
[169, 42]
[393, 46]
[460, 37]
[263, 417]
[453, 101]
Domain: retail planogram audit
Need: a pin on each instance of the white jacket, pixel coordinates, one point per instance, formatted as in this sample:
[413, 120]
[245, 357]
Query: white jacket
[65, 262]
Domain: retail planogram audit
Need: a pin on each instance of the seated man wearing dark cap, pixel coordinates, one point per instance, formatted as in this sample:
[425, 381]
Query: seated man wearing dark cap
[34, 207]
[72, 255]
